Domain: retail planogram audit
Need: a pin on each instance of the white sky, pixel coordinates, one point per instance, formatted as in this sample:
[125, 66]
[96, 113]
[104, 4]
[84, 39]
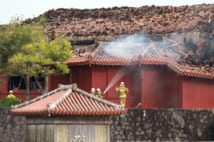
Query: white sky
[31, 8]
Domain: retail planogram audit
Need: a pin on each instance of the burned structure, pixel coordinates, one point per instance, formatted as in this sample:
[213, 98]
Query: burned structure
[155, 71]
[163, 54]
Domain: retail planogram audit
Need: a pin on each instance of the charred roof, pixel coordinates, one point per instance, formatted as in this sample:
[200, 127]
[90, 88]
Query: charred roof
[129, 20]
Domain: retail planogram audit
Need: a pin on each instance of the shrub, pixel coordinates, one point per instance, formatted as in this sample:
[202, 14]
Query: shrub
[8, 102]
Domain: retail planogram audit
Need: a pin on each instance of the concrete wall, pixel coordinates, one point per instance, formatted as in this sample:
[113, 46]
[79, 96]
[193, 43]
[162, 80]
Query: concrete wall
[163, 125]
[12, 128]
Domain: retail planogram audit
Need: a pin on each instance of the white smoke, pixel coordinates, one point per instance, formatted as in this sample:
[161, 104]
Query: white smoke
[114, 80]
[126, 47]
[141, 44]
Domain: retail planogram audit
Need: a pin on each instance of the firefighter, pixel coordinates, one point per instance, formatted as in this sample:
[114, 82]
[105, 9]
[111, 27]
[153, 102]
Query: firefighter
[99, 93]
[122, 92]
[11, 94]
[93, 91]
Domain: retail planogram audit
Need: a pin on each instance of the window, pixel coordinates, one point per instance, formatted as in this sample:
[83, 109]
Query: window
[33, 84]
[17, 82]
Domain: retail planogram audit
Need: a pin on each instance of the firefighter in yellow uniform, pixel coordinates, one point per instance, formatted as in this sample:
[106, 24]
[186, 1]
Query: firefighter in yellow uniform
[11, 94]
[122, 91]
[99, 93]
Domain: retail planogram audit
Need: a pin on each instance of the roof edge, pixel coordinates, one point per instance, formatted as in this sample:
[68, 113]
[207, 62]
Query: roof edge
[61, 87]
[13, 111]
[36, 99]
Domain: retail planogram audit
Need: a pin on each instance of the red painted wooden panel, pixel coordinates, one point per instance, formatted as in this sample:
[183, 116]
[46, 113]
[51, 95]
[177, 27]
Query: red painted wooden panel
[54, 80]
[131, 80]
[82, 75]
[154, 87]
[99, 78]
[21, 94]
[3, 85]
[173, 96]
[198, 93]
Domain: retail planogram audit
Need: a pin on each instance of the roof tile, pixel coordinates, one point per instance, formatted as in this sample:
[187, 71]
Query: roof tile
[77, 102]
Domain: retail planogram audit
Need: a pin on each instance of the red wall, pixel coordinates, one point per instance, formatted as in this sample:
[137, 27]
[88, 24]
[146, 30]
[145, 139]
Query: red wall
[54, 80]
[198, 93]
[160, 87]
[174, 94]
[22, 94]
[102, 77]
[82, 75]
[3, 87]
[99, 78]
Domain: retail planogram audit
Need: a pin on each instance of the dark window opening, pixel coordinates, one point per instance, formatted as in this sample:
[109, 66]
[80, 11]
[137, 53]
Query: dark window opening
[34, 85]
[82, 42]
[17, 82]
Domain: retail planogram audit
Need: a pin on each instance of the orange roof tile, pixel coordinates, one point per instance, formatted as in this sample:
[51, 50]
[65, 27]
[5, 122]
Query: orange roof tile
[68, 100]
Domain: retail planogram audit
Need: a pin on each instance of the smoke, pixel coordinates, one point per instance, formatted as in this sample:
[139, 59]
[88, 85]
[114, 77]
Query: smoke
[182, 48]
[144, 44]
[126, 47]
[134, 45]
[114, 80]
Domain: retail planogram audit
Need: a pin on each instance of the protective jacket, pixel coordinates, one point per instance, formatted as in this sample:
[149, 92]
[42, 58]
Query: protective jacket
[123, 91]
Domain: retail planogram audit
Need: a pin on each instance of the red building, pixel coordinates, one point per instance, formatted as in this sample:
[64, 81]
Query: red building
[155, 80]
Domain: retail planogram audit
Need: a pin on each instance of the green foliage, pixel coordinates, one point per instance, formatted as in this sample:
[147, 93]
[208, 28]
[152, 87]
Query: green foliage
[26, 50]
[8, 102]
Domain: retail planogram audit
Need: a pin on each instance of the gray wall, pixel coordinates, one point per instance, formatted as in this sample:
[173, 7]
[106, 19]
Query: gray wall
[12, 128]
[162, 125]
[134, 125]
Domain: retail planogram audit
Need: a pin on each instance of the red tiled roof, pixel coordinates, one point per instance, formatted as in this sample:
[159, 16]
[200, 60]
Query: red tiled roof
[150, 56]
[68, 100]
[76, 59]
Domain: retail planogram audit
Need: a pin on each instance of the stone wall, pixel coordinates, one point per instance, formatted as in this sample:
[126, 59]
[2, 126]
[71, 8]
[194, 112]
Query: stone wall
[12, 128]
[163, 125]
[135, 125]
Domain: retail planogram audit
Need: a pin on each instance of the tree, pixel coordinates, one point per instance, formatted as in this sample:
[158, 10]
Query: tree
[27, 52]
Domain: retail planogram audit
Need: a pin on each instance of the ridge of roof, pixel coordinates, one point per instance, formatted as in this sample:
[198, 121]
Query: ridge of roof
[53, 105]
[93, 54]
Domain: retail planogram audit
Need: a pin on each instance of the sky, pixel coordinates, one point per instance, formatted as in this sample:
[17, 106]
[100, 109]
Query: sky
[32, 8]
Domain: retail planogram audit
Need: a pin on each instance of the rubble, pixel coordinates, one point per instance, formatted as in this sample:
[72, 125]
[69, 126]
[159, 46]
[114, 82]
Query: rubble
[129, 20]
